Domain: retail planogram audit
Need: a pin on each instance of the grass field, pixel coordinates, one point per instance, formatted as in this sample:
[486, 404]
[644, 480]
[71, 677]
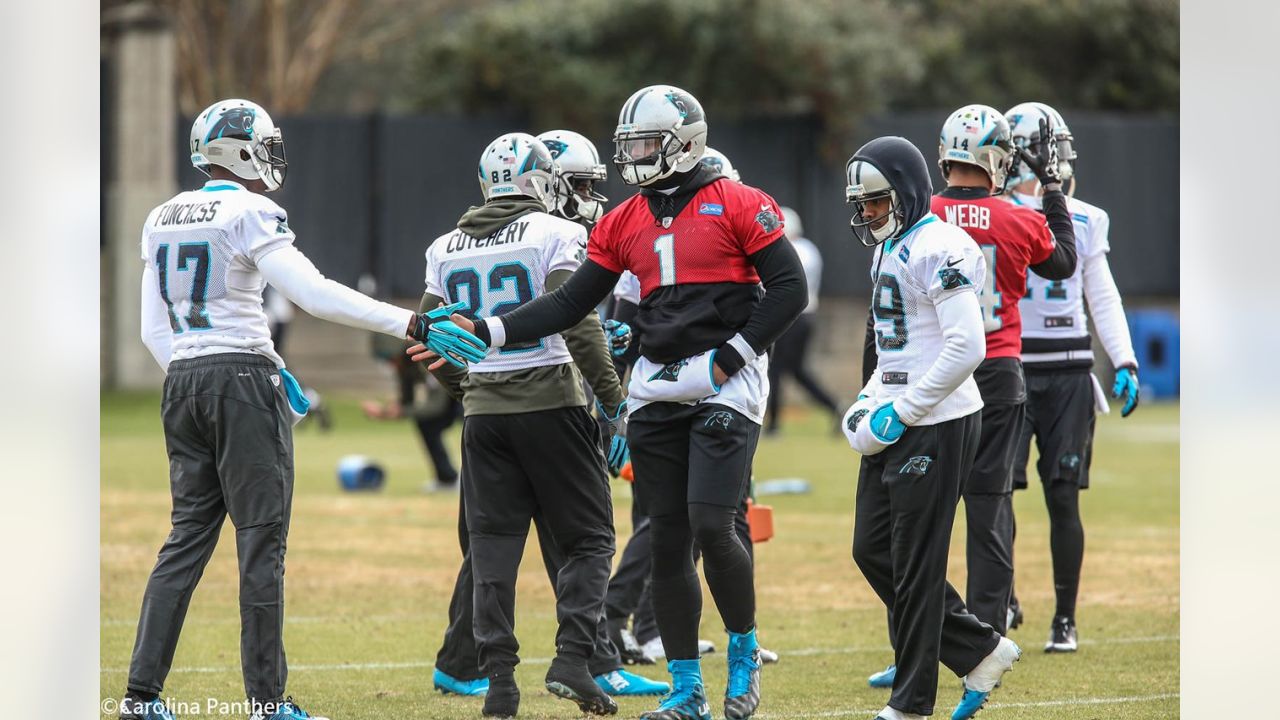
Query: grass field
[369, 578]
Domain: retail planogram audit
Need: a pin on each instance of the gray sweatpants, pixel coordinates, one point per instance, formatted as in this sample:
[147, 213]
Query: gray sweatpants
[229, 438]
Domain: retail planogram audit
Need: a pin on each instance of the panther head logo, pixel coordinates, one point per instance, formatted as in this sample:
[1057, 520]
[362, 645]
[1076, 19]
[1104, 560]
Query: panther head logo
[856, 418]
[768, 219]
[918, 465]
[236, 122]
[714, 163]
[952, 278]
[720, 419]
[556, 147]
[669, 372]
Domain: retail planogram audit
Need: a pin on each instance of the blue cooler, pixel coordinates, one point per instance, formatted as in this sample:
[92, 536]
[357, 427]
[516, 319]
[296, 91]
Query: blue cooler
[359, 473]
[1156, 345]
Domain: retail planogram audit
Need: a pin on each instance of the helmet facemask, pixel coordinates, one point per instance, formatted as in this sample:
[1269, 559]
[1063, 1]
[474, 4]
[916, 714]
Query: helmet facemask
[643, 158]
[268, 159]
[861, 225]
[576, 198]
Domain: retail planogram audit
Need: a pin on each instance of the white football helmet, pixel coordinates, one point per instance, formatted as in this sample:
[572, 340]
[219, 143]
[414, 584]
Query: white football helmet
[717, 161]
[239, 136]
[791, 221]
[977, 135]
[1024, 120]
[518, 164]
[661, 130]
[866, 182]
[575, 196]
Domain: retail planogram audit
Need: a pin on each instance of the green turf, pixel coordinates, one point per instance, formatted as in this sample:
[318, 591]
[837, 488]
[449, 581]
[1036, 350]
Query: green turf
[369, 579]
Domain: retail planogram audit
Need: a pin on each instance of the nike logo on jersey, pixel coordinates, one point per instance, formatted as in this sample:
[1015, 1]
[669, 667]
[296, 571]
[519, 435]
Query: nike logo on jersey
[953, 263]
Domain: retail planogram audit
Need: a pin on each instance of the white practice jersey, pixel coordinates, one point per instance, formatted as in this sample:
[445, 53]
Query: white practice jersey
[811, 261]
[628, 288]
[1055, 327]
[204, 246]
[931, 263]
[499, 273]
[1055, 308]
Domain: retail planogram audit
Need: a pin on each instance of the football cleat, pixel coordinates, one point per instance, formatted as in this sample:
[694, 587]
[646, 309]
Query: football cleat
[1014, 617]
[503, 697]
[687, 699]
[450, 685]
[884, 678]
[655, 652]
[742, 693]
[287, 710]
[1062, 636]
[132, 708]
[768, 657]
[980, 681]
[621, 682]
[573, 682]
[628, 649]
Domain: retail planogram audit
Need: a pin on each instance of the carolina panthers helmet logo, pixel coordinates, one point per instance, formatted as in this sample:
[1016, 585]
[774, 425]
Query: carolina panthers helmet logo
[952, 278]
[669, 372]
[720, 418]
[918, 465]
[856, 418]
[236, 122]
[714, 163]
[556, 147]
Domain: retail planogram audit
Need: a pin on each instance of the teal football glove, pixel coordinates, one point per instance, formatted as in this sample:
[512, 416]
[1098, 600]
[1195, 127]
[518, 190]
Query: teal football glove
[619, 334]
[1126, 387]
[886, 425]
[445, 338]
[619, 451]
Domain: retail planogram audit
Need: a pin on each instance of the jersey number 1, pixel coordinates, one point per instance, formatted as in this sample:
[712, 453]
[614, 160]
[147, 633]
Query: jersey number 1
[197, 318]
[665, 247]
[989, 299]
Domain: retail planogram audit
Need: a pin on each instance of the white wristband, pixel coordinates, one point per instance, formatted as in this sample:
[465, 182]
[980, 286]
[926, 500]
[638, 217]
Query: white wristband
[497, 332]
[739, 343]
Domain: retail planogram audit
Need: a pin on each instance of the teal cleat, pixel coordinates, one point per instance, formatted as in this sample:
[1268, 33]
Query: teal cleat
[742, 696]
[134, 709]
[985, 678]
[450, 685]
[884, 678]
[622, 683]
[687, 699]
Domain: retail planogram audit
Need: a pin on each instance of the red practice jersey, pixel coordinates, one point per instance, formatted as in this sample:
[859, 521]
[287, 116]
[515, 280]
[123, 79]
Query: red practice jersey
[708, 240]
[1012, 238]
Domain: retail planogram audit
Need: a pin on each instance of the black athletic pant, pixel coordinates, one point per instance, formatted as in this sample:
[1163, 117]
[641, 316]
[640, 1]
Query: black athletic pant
[692, 465]
[229, 438]
[520, 466]
[458, 656]
[906, 505]
[790, 356]
[1060, 415]
[988, 492]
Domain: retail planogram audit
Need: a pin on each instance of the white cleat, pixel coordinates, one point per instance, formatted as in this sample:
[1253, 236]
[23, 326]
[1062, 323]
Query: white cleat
[654, 650]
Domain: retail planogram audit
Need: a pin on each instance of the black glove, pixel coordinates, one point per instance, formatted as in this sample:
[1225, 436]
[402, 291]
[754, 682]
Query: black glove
[1044, 163]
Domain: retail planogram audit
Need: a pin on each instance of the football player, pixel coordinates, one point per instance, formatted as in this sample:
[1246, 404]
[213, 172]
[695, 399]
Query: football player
[530, 448]
[457, 669]
[229, 404]
[701, 246]
[1057, 354]
[916, 424]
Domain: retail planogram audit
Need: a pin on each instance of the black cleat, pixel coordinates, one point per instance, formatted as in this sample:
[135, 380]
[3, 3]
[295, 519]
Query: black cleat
[1062, 635]
[503, 698]
[572, 681]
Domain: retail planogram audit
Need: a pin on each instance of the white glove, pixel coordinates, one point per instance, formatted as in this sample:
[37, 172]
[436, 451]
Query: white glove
[683, 381]
[857, 427]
